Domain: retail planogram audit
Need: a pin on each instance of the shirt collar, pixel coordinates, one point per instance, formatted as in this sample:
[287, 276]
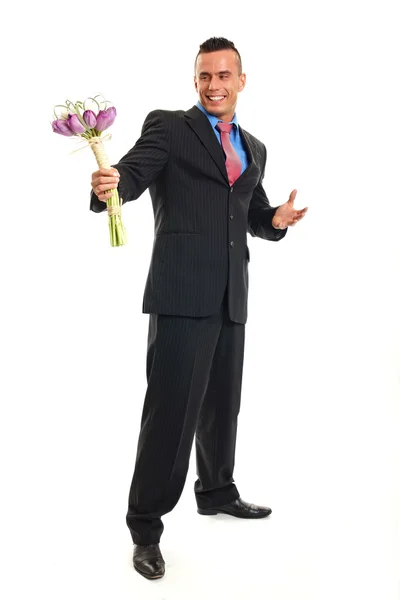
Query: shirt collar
[212, 118]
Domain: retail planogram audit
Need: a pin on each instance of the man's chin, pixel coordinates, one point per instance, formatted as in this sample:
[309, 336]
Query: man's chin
[215, 110]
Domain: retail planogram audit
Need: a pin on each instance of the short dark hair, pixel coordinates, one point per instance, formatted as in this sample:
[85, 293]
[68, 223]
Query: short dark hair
[218, 43]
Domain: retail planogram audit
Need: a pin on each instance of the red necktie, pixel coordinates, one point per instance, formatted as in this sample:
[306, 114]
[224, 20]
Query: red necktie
[232, 160]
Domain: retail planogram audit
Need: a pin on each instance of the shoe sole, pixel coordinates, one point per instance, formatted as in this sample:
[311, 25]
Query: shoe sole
[211, 511]
[148, 576]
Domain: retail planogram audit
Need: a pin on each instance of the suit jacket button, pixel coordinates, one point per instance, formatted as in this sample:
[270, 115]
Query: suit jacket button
[232, 189]
[231, 216]
[232, 244]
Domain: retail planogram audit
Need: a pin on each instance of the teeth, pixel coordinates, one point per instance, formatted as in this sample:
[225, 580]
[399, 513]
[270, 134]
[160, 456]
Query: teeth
[215, 97]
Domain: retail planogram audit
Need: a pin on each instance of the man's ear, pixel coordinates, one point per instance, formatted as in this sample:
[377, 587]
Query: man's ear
[242, 78]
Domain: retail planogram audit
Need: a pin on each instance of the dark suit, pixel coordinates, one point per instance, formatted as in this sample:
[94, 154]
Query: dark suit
[196, 294]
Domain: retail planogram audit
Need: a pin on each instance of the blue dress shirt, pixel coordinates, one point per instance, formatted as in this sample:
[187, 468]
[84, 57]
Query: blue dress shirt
[235, 138]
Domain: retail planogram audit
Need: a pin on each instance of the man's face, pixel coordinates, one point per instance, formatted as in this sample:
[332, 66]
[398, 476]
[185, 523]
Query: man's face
[217, 82]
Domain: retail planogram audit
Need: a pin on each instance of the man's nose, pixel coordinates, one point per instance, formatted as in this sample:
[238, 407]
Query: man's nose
[214, 83]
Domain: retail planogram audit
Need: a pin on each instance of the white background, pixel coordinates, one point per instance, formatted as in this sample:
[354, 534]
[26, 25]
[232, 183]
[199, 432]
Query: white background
[318, 437]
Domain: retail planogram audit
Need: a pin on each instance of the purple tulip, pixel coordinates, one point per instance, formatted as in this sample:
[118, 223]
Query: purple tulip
[105, 118]
[61, 126]
[75, 125]
[112, 113]
[90, 118]
[102, 120]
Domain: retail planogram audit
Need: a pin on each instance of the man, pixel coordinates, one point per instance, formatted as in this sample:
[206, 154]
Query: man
[204, 174]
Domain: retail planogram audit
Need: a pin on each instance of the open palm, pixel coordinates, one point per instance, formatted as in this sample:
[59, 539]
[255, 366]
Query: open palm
[287, 215]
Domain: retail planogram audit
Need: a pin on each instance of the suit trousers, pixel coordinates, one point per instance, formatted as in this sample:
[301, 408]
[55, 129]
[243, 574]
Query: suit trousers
[194, 374]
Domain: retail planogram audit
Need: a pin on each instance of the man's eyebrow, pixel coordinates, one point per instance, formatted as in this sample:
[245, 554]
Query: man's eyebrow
[219, 73]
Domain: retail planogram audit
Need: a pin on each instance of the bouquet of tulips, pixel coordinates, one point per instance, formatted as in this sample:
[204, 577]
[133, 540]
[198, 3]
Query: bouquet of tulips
[77, 119]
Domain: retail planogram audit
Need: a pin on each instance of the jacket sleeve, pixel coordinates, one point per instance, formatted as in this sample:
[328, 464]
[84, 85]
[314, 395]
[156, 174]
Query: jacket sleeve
[260, 215]
[142, 164]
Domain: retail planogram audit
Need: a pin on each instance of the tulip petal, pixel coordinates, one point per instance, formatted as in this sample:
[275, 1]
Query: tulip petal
[75, 125]
[90, 118]
[102, 120]
[112, 113]
[61, 126]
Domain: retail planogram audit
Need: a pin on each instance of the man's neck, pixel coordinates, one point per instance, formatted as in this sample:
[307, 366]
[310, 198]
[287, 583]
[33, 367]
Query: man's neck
[223, 118]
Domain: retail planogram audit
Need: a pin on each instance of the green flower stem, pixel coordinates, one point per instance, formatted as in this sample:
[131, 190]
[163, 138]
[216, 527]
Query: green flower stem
[117, 230]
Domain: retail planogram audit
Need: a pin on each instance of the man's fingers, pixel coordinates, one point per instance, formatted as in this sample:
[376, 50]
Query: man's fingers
[105, 173]
[106, 186]
[106, 180]
[297, 217]
[103, 195]
[108, 172]
[299, 214]
[292, 196]
[103, 192]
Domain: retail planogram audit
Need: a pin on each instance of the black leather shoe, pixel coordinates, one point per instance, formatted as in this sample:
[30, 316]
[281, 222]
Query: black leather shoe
[148, 561]
[238, 508]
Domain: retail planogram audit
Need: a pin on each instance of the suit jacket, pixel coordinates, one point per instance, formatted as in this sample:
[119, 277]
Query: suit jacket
[200, 221]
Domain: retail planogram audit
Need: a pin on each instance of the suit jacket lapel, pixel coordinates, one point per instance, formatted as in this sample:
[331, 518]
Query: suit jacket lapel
[253, 153]
[201, 126]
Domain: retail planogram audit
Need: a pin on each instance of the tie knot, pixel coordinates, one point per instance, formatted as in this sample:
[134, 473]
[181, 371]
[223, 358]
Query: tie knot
[224, 127]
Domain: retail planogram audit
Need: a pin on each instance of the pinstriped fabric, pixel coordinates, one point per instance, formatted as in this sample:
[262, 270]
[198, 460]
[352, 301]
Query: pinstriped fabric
[200, 222]
[196, 294]
[181, 400]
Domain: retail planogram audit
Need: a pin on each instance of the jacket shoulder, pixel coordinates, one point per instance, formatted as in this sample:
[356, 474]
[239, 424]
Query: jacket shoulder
[254, 140]
[168, 115]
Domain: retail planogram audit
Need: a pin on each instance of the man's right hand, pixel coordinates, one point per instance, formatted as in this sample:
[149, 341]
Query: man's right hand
[103, 181]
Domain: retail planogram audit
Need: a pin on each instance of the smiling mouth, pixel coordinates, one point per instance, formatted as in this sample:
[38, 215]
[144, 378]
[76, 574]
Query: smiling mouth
[216, 98]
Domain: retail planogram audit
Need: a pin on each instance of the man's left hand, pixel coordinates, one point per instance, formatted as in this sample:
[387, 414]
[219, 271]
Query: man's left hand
[287, 215]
